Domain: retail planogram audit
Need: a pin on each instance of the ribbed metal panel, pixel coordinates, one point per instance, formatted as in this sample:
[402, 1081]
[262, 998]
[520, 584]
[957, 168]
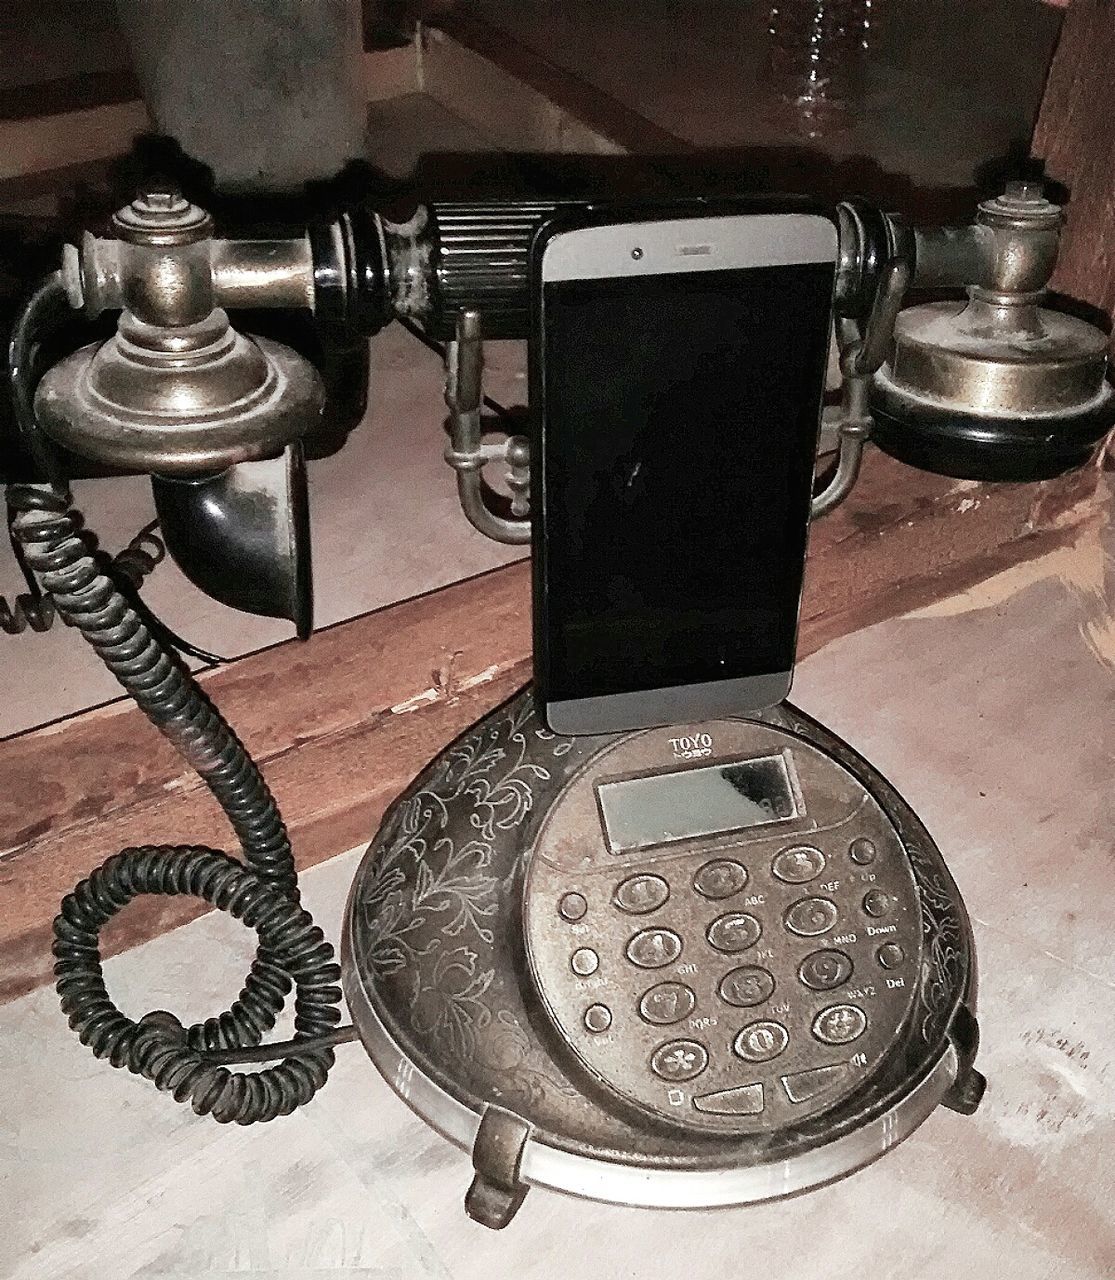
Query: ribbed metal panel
[482, 254]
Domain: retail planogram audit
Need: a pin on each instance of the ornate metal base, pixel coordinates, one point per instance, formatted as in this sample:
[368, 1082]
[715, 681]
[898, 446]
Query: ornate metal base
[461, 1020]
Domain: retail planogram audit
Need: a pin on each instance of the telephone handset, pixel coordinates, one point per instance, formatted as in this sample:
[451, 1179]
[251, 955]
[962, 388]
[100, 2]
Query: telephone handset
[700, 965]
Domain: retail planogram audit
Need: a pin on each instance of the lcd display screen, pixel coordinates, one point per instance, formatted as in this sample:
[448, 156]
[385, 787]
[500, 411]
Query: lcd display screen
[660, 808]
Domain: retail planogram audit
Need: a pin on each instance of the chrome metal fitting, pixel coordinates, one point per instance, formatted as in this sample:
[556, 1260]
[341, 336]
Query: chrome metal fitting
[177, 390]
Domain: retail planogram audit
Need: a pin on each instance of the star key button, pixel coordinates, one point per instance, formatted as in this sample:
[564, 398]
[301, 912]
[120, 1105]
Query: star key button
[679, 1059]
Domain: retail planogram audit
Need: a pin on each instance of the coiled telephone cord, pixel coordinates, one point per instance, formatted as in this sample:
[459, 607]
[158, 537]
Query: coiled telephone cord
[35, 609]
[262, 891]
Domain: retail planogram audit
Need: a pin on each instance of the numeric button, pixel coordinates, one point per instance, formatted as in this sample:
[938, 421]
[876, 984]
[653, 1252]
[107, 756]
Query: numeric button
[798, 865]
[746, 986]
[840, 1024]
[679, 1060]
[720, 878]
[734, 932]
[638, 895]
[584, 962]
[654, 948]
[824, 970]
[760, 1041]
[667, 1003]
[809, 917]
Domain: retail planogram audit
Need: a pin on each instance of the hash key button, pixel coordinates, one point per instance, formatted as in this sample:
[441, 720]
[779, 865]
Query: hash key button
[839, 1024]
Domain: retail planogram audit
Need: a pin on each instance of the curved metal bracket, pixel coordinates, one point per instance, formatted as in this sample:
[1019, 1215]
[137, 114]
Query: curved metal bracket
[468, 454]
[860, 357]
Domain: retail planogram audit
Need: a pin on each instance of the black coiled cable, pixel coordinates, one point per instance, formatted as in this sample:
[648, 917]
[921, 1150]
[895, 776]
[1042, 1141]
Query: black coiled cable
[263, 893]
[35, 609]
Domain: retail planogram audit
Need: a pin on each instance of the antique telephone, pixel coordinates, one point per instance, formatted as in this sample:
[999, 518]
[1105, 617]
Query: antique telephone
[763, 998]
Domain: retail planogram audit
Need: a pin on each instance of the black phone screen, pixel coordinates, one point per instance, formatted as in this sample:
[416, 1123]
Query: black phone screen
[678, 438]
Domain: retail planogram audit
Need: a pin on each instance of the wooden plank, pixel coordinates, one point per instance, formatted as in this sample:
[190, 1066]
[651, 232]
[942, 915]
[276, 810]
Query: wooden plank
[67, 93]
[1078, 148]
[524, 103]
[102, 115]
[341, 723]
[73, 137]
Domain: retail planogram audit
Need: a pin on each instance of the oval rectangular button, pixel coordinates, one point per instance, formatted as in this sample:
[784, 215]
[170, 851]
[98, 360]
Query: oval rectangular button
[744, 1100]
[803, 1085]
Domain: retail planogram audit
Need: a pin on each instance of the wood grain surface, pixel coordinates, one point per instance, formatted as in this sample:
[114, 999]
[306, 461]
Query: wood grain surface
[341, 724]
[1074, 138]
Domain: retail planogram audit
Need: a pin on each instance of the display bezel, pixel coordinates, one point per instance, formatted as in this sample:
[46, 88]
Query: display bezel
[783, 759]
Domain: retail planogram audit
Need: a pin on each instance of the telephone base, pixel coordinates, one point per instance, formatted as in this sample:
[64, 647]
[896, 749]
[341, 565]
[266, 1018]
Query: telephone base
[457, 912]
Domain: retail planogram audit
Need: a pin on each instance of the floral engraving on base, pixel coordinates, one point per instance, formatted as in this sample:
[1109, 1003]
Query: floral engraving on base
[943, 935]
[433, 897]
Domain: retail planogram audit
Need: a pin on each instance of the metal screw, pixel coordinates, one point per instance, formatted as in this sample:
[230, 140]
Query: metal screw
[163, 200]
[636, 253]
[1023, 192]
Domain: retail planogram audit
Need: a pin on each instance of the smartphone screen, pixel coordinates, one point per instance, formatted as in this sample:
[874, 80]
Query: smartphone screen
[678, 436]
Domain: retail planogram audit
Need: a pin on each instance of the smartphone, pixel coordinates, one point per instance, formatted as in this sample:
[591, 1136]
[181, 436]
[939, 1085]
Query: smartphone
[677, 370]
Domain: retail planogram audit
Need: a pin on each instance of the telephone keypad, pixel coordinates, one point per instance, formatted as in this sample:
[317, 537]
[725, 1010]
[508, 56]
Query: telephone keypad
[743, 983]
[720, 878]
[825, 970]
[810, 917]
[746, 987]
[667, 1003]
[761, 1041]
[654, 948]
[639, 895]
[736, 931]
[679, 1059]
[840, 1024]
[798, 865]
